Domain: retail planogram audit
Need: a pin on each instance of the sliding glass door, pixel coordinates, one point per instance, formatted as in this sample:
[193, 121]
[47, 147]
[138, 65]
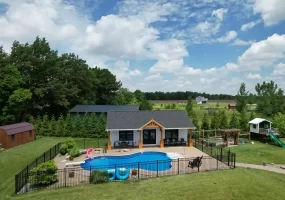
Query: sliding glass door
[149, 136]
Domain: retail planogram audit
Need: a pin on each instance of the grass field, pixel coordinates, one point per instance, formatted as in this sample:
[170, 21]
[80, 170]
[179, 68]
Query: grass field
[259, 152]
[200, 110]
[223, 185]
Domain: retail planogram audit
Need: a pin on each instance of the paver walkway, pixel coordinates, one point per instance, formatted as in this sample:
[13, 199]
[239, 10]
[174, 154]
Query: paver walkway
[273, 168]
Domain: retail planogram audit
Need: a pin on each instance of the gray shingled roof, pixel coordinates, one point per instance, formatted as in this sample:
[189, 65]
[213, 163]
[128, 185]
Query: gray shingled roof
[136, 119]
[17, 128]
[102, 108]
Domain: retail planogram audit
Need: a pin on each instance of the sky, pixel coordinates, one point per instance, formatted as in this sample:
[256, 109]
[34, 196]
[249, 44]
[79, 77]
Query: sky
[207, 46]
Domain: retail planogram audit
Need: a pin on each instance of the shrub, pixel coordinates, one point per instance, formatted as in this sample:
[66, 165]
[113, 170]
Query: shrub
[63, 149]
[70, 143]
[98, 177]
[74, 152]
[44, 174]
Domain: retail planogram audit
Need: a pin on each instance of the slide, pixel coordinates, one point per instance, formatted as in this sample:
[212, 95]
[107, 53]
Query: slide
[277, 140]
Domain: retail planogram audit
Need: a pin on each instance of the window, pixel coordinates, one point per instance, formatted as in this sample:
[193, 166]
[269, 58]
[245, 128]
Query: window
[171, 134]
[13, 138]
[30, 133]
[126, 135]
[254, 126]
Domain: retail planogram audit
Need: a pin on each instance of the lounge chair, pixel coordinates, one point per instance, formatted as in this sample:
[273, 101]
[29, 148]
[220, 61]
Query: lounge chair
[197, 162]
[117, 144]
[174, 142]
[166, 142]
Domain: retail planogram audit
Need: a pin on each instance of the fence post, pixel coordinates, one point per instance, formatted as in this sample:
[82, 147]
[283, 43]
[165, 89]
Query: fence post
[217, 162]
[90, 176]
[115, 170]
[50, 154]
[221, 154]
[229, 153]
[234, 160]
[156, 168]
[36, 162]
[178, 165]
[138, 170]
[64, 177]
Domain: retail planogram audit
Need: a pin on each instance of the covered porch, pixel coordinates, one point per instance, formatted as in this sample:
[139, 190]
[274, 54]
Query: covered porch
[149, 135]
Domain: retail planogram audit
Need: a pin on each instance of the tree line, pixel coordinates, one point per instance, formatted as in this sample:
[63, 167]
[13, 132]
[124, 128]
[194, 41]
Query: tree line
[185, 95]
[36, 81]
[89, 126]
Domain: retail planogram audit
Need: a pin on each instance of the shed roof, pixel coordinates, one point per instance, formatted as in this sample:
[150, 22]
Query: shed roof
[257, 121]
[102, 108]
[134, 120]
[17, 128]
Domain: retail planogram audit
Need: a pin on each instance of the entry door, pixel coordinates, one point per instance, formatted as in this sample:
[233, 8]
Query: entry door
[149, 136]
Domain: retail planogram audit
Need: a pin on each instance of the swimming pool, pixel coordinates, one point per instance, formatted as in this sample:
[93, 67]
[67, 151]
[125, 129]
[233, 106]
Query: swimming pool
[151, 161]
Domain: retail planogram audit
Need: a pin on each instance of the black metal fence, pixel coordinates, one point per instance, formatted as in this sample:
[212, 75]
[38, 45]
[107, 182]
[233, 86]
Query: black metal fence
[220, 153]
[140, 170]
[21, 179]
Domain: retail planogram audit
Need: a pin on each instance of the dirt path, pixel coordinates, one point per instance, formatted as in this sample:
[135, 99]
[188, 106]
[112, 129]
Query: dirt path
[273, 168]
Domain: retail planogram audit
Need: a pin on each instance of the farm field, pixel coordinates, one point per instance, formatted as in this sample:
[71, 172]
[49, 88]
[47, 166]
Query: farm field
[200, 110]
[237, 184]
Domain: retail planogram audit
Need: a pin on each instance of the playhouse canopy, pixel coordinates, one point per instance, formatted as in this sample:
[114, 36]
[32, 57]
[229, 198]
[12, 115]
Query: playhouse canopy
[258, 121]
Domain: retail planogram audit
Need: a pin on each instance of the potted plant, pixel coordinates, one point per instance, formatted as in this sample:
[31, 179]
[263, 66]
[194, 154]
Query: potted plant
[134, 172]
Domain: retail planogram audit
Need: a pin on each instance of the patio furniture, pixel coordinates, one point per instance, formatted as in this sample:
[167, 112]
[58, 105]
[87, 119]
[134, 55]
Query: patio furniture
[174, 142]
[166, 142]
[197, 162]
[117, 144]
[131, 143]
[182, 142]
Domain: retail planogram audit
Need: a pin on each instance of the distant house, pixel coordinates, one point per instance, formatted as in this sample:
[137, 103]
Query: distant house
[201, 100]
[98, 109]
[232, 106]
[16, 134]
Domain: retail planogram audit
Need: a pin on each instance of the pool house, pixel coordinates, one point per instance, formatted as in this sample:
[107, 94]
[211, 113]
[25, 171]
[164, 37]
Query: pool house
[138, 129]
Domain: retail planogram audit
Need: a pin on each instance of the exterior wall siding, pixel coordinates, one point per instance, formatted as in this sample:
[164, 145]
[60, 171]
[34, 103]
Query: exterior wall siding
[19, 138]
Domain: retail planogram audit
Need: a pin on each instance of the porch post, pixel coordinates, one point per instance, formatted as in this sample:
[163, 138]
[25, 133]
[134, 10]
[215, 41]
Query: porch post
[140, 141]
[161, 139]
[109, 141]
[190, 141]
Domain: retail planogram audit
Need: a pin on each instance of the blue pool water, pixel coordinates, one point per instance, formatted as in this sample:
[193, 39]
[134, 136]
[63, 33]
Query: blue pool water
[152, 161]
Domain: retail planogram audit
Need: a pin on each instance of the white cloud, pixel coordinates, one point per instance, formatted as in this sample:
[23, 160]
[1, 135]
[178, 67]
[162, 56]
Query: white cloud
[249, 25]
[153, 78]
[228, 37]
[123, 72]
[263, 53]
[279, 70]
[219, 13]
[207, 28]
[165, 66]
[272, 11]
[239, 42]
[231, 67]
[253, 76]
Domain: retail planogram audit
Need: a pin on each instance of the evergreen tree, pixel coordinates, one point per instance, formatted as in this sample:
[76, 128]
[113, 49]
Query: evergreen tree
[252, 116]
[242, 98]
[68, 125]
[101, 126]
[38, 123]
[214, 120]
[205, 122]
[45, 126]
[60, 129]
[189, 106]
[243, 121]
[223, 120]
[52, 126]
[76, 126]
[234, 122]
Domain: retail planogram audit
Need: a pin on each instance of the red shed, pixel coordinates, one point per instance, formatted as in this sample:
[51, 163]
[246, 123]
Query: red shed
[16, 134]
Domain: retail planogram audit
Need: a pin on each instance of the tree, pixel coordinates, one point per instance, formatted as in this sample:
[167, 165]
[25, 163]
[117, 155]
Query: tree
[252, 116]
[223, 120]
[145, 105]
[205, 122]
[270, 98]
[234, 122]
[124, 97]
[243, 121]
[139, 95]
[189, 106]
[279, 122]
[214, 120]
[242, 98]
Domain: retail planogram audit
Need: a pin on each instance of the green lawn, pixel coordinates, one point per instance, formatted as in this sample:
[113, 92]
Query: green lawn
[259, 152]
[14, 160]
[221, 185]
